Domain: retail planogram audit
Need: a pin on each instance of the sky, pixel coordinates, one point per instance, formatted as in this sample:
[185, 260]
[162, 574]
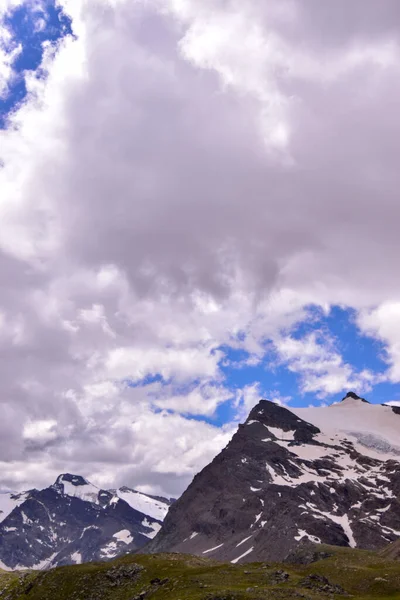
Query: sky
[198, 209]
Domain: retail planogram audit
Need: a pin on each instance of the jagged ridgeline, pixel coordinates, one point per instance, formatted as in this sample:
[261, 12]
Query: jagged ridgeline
[319, 475]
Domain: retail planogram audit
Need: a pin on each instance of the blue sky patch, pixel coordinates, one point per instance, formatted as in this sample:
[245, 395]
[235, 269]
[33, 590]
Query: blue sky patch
[30, 28]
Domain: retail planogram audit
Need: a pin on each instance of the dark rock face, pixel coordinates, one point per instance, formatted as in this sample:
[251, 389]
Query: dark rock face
[281, 482]
[56, 527]
[354, 396]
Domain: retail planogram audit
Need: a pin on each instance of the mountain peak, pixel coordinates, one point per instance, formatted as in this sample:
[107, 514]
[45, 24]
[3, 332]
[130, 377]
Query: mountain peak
[71, 522]
[353, 396]
[289, 477]
[75, 480]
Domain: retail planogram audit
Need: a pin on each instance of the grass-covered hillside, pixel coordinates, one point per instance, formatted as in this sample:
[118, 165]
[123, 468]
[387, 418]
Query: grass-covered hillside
[358, 574]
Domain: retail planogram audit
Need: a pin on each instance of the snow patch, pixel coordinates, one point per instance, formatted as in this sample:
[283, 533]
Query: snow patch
[373, 428]
[151, 525]
[9, 501]
[303, 533]
[87, 492]
[244, 541]
[110, 550]
[281, 434]
[124, 536]
[236, 560]
[76, 557]
[212, 549]
[156, 509]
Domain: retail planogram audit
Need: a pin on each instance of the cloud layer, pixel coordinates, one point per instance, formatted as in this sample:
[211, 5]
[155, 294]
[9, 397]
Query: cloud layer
[189, 177]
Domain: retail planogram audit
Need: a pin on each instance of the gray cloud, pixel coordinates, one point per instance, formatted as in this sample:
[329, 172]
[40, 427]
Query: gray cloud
[195, 176]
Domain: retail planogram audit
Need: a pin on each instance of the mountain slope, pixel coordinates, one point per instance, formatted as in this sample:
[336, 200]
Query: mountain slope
[392, 552]
[9, 501]
[154, 506]
[73, 521]
[344, 573]
[283, 480]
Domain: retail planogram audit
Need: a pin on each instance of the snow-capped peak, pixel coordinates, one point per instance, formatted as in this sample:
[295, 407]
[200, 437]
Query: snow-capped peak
[77, 487]
[74, 521]
[76, 480]
[319, 474]
[373, 428]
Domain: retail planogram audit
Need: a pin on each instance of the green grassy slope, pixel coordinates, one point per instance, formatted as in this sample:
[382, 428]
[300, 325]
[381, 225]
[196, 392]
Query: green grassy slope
[361, 575]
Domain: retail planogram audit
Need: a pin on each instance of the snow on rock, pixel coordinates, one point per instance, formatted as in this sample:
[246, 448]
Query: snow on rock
[244, 541]
[302, 534]
[9, 501]
[76, 557]
[151, 525]
[148, 505]
[213, 549]
[39, 566]
[124, 536]
[109, 551]
[281, 434]
[328, 475]
[372, 427]
[4, 567]
[78, 487]
[236, 560]
[74, 521]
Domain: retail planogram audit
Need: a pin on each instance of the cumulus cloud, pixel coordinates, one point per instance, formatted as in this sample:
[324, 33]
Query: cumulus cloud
[383, 323]
[321, 367]
[189, 177]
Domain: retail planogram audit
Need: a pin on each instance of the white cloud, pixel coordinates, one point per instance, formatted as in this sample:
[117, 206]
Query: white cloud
[321, 367]
[6, 5]
[191, 175]
[251, 394]
[40, 431]
[183, 364]
[247, 398]
[201, 400]
[7, 58]
[383, 323]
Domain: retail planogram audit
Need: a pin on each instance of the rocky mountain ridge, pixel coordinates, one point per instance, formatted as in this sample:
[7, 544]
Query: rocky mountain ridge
[323, 475]
[73, 521]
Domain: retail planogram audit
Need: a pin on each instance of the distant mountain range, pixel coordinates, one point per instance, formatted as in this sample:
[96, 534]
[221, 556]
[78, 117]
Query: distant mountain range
[292, 477]
[73, 521]
[287, 479]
